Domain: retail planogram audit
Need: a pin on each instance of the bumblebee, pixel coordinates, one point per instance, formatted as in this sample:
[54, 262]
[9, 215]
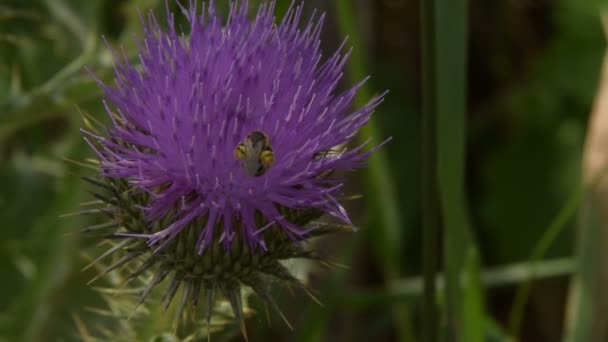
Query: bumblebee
[255, 153]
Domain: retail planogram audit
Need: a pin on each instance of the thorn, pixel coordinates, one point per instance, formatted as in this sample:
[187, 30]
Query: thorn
[311, 296]
[117, 264]
[82, 212]
[267, 314]
[263, 291]
[276, 308]
[141, 269]
[196, 290]
[350, 198]
[88, 203]
[182, 304]
[81, 328]
[234, 296]
[333, 264]
[106, 200]
[244, 329]
[105, 254]
[170, 291]
[81, 164]
[158, 277]
[209, 294]
[88, 116]
[96, 182]
[99, 227]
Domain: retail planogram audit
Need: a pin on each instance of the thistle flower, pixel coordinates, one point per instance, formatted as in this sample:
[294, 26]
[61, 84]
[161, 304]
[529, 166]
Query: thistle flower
[220, 154]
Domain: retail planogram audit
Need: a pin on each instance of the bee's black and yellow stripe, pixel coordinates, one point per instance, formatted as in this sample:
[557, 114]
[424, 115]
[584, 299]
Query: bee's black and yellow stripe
[255, 153]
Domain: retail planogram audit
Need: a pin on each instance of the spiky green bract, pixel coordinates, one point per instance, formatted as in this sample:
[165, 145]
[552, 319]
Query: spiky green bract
[201, 278]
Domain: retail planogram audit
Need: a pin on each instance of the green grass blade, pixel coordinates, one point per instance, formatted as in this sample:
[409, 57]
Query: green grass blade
[411, 289]
[380, 189]
[430, 205]
[450, 82]
[380, 195]
[564, 216]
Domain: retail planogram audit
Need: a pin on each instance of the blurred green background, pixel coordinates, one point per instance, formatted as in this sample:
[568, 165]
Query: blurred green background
[533, 71]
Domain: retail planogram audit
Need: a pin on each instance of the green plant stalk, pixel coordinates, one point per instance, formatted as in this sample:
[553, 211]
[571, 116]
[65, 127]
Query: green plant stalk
[565, 215]
[378, 176]
[430, 206]
[450, 82]
[378, 182]
[411, 289]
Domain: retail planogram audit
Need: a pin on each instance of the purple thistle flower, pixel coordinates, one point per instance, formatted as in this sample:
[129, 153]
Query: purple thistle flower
[220, 154]
[178, 120]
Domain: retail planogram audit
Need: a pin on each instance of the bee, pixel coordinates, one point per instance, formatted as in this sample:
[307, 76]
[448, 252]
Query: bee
[255, 153]
[325, 154]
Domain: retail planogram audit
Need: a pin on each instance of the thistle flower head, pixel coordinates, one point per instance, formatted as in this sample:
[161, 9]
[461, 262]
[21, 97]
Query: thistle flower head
[220, 151]
[229, 120]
